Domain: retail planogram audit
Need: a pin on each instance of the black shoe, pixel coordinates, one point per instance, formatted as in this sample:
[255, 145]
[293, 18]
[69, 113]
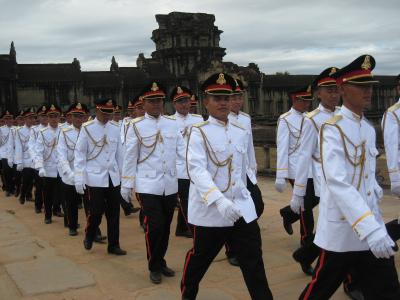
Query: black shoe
[116, 251]
[353, 293]
[305, 267]
[73, 232]
[143, 227]
[135, 209]
[186, 234]
[28, 199]
[100, 239]
[22, 200]
[233, 261]
[88, 244]
[287, 225]
[17, 192]
[38, 210]
[80, 206]
[8, 194]
[48, 221]
[58, 214]
[155, 277]
[167, 272]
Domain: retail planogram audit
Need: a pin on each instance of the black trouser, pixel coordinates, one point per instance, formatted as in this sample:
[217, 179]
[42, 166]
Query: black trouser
[27, 182]
[86, 205]
[104, 200]
[72, 199]
[158, 213]
[182, 224]
[50, 193]
[141, 215]
[378, 277]
[208, 241]
[8, 175]
[306, 216]
[38, 190]
[17, 179]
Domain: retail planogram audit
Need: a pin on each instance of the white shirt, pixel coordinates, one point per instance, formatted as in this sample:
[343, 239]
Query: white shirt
[65, 151]
[5, 135]
[46, 150]
[391, 132]
[209, 182]
[98, 154]
[349, 202]
[152, 146]
[33, 142]
[22, 154]
[184, 124]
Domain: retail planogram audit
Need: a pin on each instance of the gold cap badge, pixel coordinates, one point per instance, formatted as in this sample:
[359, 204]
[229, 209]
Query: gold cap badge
[221, 79]
[109, 103]
[333, 71]
[366, 65]
[309, 89]
[179, 90]
[78, 106]
[32, 111]
[52, 107]
[154, 87]
[43, 108]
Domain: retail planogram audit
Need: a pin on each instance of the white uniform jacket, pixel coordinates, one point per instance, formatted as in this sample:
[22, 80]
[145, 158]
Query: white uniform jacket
[33, 139]
[65, 152]
[98, 154]
[5, 135]
[309, 150]
[184, 124]
[46, 149]
[349, 202]
[152, 146]
[391, 131]
[245, 120]
[214, 142]
[11, 155]
[288, 142]
[22, 154]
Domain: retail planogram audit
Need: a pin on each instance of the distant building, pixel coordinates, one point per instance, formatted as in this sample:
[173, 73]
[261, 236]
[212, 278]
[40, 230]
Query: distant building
[187, 52]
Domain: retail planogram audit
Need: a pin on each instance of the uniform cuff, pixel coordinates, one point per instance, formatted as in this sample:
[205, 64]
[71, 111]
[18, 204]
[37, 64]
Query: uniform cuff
[299, 190]
[212, 195]
[364, 225]
[282, 173]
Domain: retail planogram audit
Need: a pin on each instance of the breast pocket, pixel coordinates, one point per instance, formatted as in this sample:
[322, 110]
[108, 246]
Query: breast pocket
[170, 140]
[112, 143]
[147, 173]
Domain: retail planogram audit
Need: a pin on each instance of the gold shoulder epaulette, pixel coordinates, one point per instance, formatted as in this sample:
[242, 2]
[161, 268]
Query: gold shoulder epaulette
[285, 115]
[198, 125]
[170, 117]
[43, 129]
[394, 107]
[237, 125]
[196, 115]
[88, 123]
[334, 119]
[244, 114]
[138, 119]
[66, 129]
[313, 113]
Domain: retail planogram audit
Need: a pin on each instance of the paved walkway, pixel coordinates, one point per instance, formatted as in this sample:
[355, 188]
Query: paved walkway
[39, 261]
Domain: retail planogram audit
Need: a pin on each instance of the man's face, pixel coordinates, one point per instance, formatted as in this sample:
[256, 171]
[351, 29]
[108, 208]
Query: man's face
[301, 105]
[54, 119]
[117, 117]
[30, 121]
[131, 113]
[9, 121]
[103, 117]
[139, 111]
[21, 121]
[329, 96]
[359, 96]
[68, 117]
[217, 106]
[236, 102]
[43, 119]
[153, 107]
[78, 119]
[182, 106]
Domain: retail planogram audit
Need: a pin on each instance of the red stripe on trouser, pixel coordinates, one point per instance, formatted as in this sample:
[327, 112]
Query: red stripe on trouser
[315, 278]
[188, 256]
[147, 238]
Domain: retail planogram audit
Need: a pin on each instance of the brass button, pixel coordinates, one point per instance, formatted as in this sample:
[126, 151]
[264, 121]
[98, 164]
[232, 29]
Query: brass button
[233, 183]
[369, 193]
[366, 176]
[230, 142]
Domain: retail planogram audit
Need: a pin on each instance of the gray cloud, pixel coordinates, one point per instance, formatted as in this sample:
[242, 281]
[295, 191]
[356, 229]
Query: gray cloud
[302, 37]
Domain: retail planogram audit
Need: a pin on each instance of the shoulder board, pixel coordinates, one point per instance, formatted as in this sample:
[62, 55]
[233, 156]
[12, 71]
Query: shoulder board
[43, 129]
[285, 115]
[66, 129]
[138, 119]
[169, 117]
[244, 114]
[394, 107]
[198, 116]
[237, 125]
[313, 113]
[334, 119]
[198, 125]
[88, 123]
[114, 123]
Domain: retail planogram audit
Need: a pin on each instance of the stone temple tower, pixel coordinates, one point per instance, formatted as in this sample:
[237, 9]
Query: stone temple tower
[186, 41]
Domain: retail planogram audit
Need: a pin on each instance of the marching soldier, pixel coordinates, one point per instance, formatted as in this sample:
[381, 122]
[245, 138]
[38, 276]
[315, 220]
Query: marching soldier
[65, 152]
[19, 122]
[220, 206]
[350, 230]
[97, 165]
[180, 97]
[23, 157]
[5, 139]
[46, 161]
[152, 145]
[117, 115]
[288, 139]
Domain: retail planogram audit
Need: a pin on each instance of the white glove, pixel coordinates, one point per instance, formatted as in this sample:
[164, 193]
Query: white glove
[70, 176]
[126, 194]
[19, 167]
[297, 203]
[395, 188]
[280, 184]
[80, 188]
[10, 163]
[42, 172]
[380, 244]
[226, 208]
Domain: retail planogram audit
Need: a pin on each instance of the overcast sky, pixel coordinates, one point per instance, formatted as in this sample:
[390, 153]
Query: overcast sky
[301, 37]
